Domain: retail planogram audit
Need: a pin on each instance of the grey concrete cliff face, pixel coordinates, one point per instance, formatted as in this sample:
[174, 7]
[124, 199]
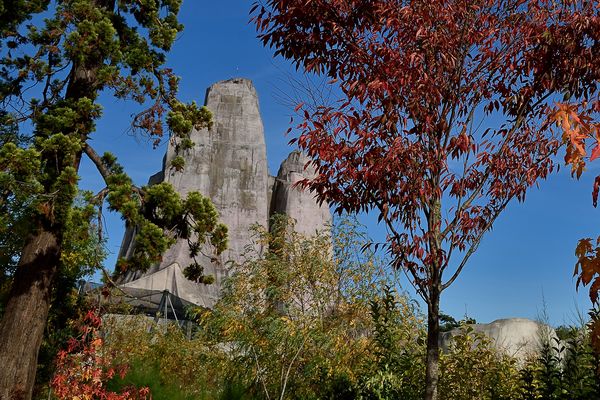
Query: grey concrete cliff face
[516, 337]
[228, 164]
[296, 202]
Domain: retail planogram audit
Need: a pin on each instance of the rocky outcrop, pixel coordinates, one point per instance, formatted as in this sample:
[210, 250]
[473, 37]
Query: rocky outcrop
[229, 165]
[516, 337]
[292, 200]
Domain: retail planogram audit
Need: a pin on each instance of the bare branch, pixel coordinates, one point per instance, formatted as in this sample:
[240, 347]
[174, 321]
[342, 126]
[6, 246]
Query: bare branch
[474, 246]
[104, 171]
[477, 191]
[97, 160]
[287, 373]
[258, 372]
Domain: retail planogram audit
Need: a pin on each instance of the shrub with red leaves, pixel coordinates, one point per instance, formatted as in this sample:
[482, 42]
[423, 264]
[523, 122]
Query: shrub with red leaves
[83, 368]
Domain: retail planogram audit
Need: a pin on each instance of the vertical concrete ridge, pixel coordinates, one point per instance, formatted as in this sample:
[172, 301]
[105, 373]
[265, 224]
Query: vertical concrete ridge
[229, 165]
[296, 202]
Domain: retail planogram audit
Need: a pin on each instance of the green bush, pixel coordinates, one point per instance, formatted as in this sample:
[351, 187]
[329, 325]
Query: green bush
[562, 370]
[472, 369]
[398, 370]
[162, 358]
[145, 373]
[289, 330]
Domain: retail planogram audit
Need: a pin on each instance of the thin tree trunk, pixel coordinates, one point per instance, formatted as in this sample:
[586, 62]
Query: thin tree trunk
[433, 347]
[434, 290]
[24, 320]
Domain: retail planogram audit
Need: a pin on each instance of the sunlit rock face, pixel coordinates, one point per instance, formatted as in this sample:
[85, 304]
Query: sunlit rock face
[517, 337]
[228, 164]
[297, 203]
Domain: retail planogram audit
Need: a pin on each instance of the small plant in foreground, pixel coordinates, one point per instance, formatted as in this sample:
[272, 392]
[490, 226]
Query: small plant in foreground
[84, 368]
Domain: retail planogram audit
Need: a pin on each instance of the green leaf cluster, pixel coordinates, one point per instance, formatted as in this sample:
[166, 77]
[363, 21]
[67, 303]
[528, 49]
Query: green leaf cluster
[160, 216]
[472, 368]
[563, 369]
[14, 12]
[184, 117]
[21, 193]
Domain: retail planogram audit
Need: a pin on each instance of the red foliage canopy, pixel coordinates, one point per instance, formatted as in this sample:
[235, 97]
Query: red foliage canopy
[446, 109]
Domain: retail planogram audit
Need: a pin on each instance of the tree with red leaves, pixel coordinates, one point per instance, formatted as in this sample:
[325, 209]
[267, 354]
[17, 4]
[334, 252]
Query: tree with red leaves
[445, 115]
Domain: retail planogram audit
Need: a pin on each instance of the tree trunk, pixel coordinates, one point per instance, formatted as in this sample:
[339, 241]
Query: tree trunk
[433, 346]
[22, 326]
[24, 320]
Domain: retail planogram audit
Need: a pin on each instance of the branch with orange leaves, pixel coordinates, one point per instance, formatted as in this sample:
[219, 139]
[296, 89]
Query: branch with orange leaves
[578, 130]
[587, 268]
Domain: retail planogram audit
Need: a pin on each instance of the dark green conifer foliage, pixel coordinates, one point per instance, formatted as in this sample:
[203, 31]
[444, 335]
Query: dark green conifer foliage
[563, 370]
[51, 75]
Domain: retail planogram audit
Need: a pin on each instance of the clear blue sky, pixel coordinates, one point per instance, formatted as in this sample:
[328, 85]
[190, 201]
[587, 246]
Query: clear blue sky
[528, 256]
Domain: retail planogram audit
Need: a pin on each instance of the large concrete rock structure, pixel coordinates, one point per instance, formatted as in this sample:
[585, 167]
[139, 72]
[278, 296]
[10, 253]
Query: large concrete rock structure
[229, 165]
[517, 337]
[289, 199]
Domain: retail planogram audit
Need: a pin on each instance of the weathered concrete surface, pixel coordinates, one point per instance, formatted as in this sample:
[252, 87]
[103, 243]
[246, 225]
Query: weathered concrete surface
[295, 202]
[517, 337]
[229, 165]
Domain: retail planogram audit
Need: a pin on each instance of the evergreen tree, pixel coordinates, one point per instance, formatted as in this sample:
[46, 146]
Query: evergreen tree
[51, 75]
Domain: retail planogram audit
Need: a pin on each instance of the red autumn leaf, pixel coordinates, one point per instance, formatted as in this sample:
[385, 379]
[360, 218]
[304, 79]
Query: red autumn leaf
[595, 153]
[84, 369]
[595, 290]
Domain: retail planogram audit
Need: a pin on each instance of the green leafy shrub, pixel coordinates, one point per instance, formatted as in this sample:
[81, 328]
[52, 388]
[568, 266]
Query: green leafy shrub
[398, 369]
[148, 374]
[472, 369]
[286, 325]
[162, 358]
[295, 315]
[562, 370]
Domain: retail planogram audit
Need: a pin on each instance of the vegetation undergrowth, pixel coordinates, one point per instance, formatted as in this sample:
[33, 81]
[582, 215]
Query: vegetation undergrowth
[311, 318]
